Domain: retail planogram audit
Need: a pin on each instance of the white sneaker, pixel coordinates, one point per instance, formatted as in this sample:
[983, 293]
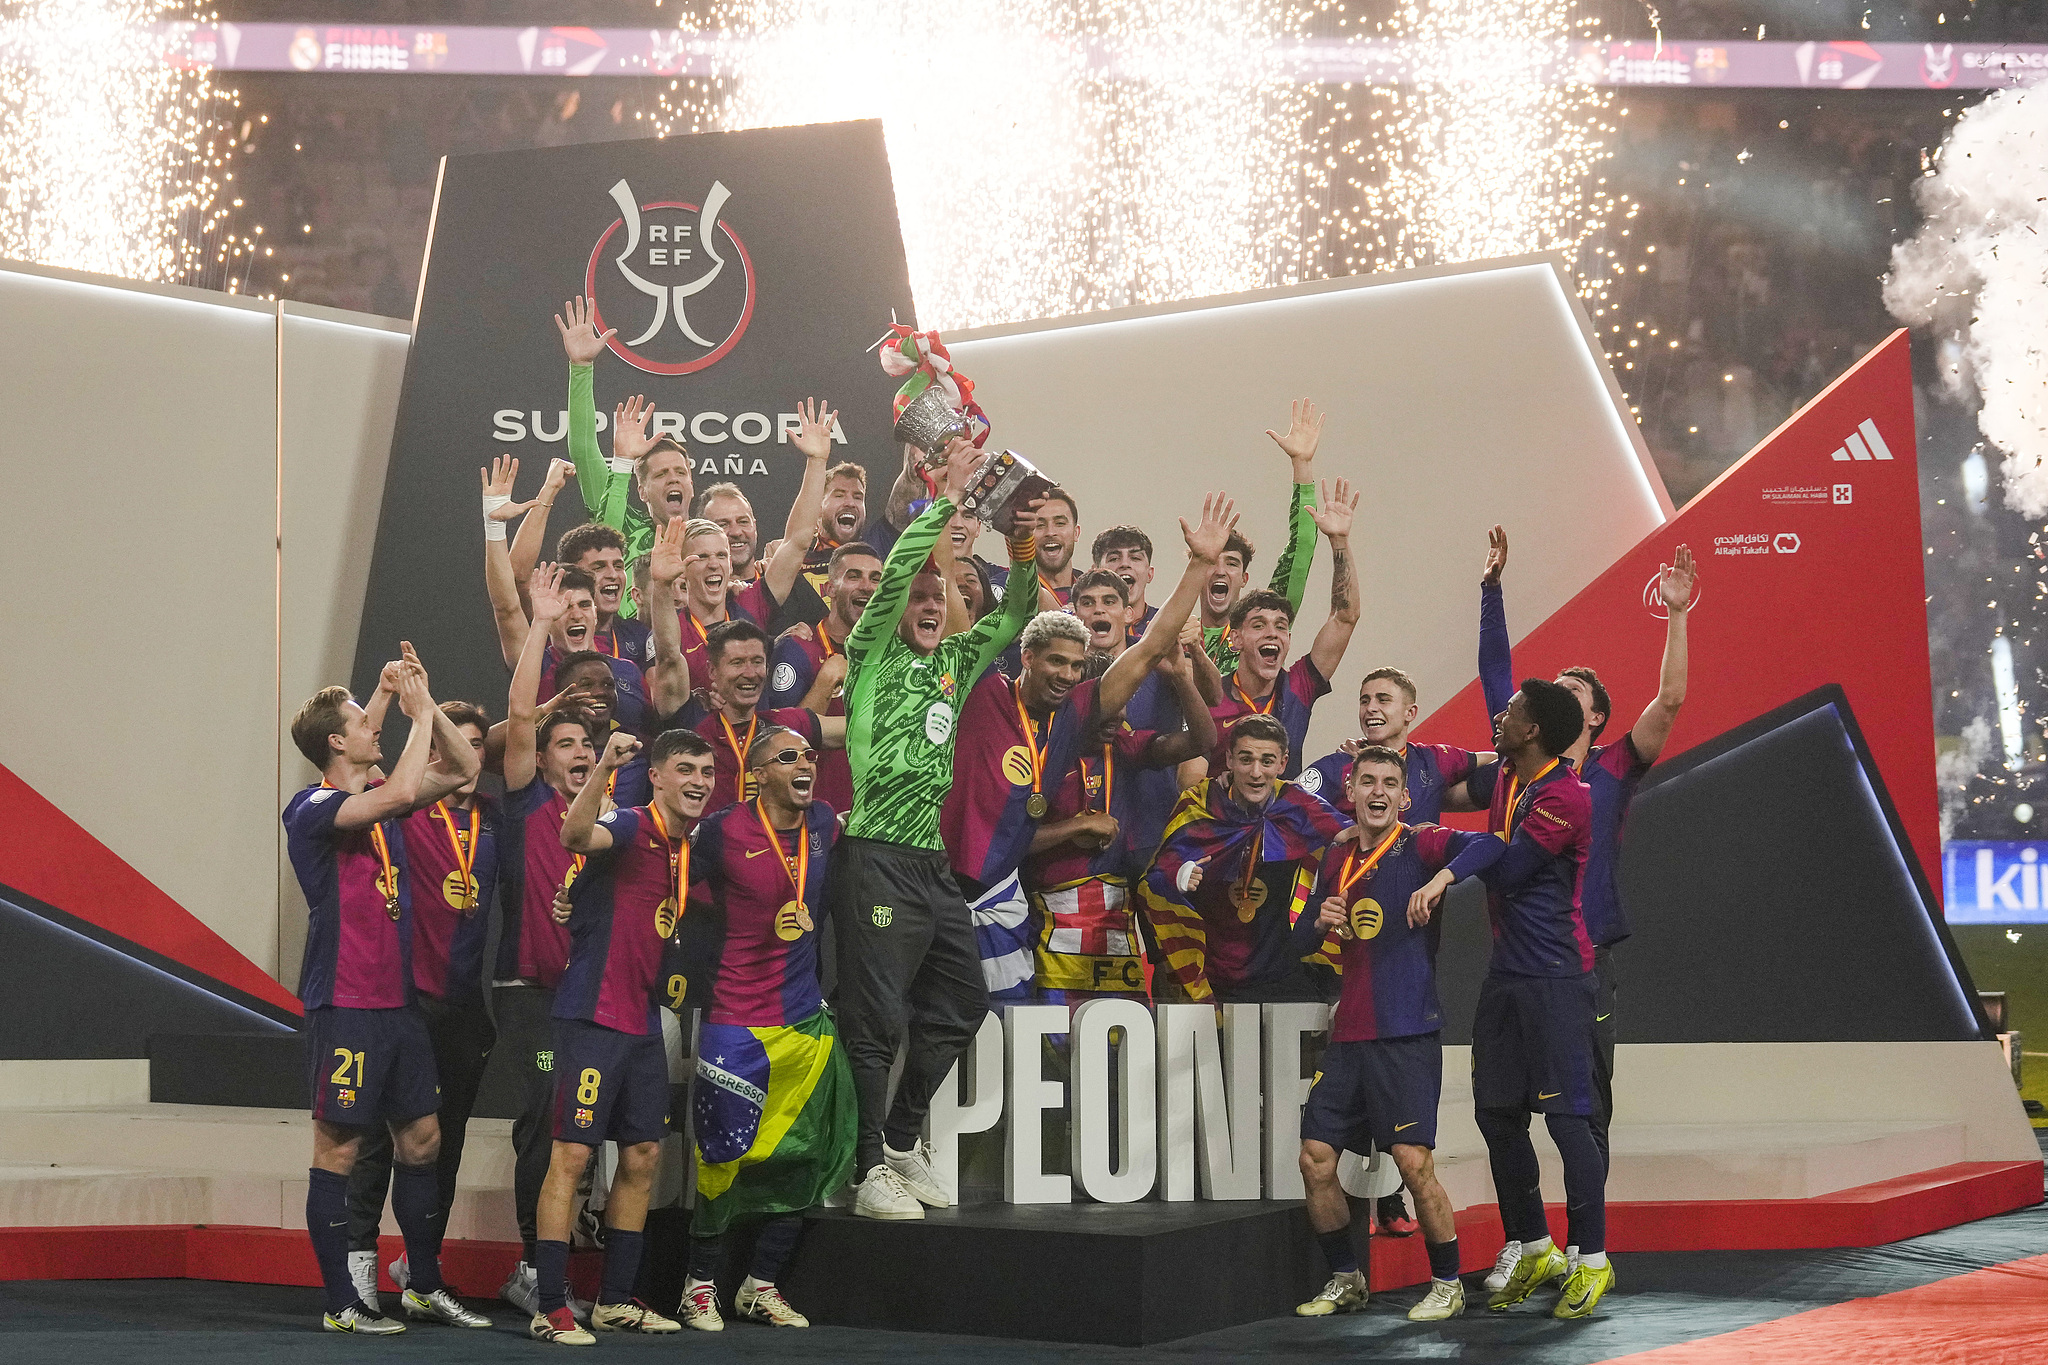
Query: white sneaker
[764, 1303]
[442, 1307]
[699, 1308]
[560, 1328]
[884, 1195]
[362, 1321]
[914, 1168]
[632, 1316]
[1445, 1299]
[1503, 1266]
[1345, 1293]
[362, 1273]
[522, 1289]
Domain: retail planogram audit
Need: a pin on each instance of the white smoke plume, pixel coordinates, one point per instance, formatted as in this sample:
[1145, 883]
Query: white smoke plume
[1977, 272]
[1954, 771]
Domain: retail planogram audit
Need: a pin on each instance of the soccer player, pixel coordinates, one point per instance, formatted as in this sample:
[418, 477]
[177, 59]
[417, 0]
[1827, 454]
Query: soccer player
[1382, 1073]
[369, 1055]
[774, 1105]
[1084, 854]
[1019, 740]
[1533, 1045]
[451, 871]
[1387, 710]
[803, 671]
[658, 468]
[1059, 530]
[1290, 574]
[727, 710]
[1234, 874]
[1262, 625]
[1126, 552]
[611, 1068]
[843, 514]
[576, 633]
[547, 762]
[907, 957]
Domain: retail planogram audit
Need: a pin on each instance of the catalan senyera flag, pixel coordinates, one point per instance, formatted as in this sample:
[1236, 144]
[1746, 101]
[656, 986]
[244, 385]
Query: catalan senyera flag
[775, 1119]
[1206, 823]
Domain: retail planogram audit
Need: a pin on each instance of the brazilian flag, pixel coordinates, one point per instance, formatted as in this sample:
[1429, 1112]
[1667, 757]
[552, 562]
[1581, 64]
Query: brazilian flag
[775, 1119]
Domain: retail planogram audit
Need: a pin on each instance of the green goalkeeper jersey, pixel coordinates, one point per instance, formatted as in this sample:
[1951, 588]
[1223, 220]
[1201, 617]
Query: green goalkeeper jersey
[606, 488]
[902, 706]
[1290, 575]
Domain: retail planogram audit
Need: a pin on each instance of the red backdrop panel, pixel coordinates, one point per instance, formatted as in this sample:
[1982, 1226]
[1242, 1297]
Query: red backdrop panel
[1810, 563]
[48, 856]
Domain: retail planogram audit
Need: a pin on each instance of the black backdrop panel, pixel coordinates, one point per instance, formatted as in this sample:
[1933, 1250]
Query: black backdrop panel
[814, 269]
[1770, 899]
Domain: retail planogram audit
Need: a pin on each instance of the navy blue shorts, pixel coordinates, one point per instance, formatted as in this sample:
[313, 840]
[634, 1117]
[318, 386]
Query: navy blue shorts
[370, 1066]
[1533, 1044]
[609, 1084]
[1376, 1092]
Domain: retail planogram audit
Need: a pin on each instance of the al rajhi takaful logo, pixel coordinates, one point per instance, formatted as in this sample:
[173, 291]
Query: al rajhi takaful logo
[674, 279]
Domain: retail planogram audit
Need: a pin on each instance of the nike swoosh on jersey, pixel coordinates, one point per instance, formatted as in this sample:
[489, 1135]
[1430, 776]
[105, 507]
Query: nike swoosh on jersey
[1551, 1096]
[1602, 1018]
[1402, 1127]
[755, 852]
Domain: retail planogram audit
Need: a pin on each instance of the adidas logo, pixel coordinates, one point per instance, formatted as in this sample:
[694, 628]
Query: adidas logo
[1863, 444]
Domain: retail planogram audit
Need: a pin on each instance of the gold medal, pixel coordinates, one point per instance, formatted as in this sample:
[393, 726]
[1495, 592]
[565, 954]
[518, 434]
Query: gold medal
[1032, 768]
[1248, 899]
[1034, 805]
[789, 922]
[459, 889]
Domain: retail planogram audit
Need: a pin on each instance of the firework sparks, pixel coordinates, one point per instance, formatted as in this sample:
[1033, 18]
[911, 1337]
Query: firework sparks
[108, 151]
[1052, 159]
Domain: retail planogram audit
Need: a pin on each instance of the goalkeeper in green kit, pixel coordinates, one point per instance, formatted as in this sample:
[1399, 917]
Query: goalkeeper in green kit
[908, 962]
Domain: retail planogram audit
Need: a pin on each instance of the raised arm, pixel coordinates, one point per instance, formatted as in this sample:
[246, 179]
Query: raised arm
[1181, 669]
[583, 344]
[581, 833]
[668, 681]
[522, 700]
[1676, 583]
[1304, 435]
[498, 577]
[454, 763]
[1333, 518]
[992, 634]
[1496, 660]
[400, 792]
[824, 683]
[909, 484]
[531, 538]
[814, 439]
[1205, 543]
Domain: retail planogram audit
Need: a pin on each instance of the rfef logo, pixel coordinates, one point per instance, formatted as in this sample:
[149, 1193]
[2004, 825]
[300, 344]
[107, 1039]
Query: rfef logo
[674, 279]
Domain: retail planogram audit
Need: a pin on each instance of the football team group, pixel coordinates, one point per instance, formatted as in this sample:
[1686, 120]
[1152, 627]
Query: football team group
[790, 821]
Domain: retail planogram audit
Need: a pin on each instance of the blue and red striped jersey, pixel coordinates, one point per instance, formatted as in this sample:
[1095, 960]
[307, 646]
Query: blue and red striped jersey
[1533, 891]
[358, 955]
[1291, 702]
[1611, 774]
[450, 920]
[755, 944]
[623, 913]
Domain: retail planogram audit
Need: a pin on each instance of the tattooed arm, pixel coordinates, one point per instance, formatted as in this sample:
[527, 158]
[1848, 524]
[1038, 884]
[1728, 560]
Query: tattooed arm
[1333, 517]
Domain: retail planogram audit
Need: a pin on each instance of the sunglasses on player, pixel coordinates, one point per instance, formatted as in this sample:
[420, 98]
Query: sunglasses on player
[792, 757]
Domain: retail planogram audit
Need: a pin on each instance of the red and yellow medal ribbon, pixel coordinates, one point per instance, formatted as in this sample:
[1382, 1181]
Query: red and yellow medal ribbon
[798, 868]
[387, 879]
[1031, 744]
[1249, 704]
[1516, 790]
[1108, 779]
[678, 864]
[465, 850]
[739, 750]
[1356, 870]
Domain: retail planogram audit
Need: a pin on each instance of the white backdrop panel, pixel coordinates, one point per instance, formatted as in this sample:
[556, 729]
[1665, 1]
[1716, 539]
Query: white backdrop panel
[1456, 399]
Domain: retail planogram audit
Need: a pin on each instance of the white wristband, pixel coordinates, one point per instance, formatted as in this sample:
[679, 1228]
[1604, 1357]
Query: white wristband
[493, 530]
[493, 501]
[1185, 875]
[619, 466]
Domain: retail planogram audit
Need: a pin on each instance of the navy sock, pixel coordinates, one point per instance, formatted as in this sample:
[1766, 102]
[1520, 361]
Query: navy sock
[1337, 1251]
[707, 1257]
[1585, 1180]
[621, 1265]
[416, 1204]
[1443, 1259]
[327, 1224]
[773, 1246]
[1517, 1181]
[551, 1262]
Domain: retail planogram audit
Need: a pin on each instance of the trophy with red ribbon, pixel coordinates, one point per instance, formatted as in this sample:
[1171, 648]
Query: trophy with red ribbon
[936, 407]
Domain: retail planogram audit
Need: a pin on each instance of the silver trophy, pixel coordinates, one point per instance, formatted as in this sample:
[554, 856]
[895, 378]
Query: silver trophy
[930, 423]
[1005, 483]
